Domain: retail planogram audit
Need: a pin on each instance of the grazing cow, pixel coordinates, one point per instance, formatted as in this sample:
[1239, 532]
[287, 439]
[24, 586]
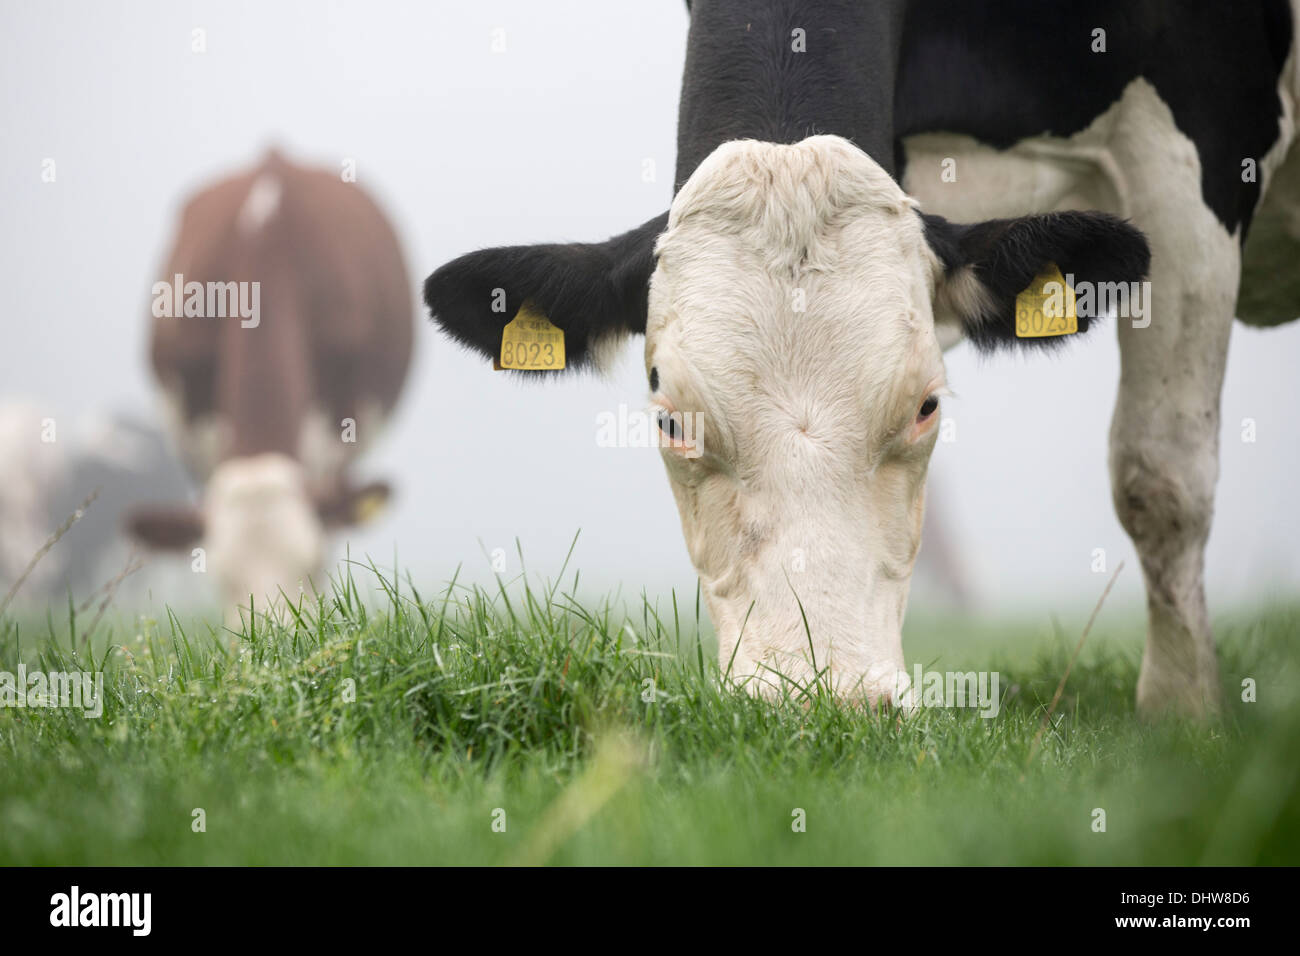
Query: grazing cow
[29, 467]
[46, 472]
[282, 334]
[796, 297]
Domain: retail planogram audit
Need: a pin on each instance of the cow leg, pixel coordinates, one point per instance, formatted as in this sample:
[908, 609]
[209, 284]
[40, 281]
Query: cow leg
[1164, 464]
[1164, 437]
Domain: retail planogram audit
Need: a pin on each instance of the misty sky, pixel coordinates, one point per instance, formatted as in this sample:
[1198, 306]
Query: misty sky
[464, 147]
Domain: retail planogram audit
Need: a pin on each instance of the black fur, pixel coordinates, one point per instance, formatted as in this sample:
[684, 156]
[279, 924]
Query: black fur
[1006, 254]
[584, 288]
[743, 79]
[1005, 70]
[874, 72]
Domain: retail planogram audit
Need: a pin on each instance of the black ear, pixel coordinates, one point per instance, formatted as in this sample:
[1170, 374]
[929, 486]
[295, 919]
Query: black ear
[586, 289]
[987, 264]
[165, 528]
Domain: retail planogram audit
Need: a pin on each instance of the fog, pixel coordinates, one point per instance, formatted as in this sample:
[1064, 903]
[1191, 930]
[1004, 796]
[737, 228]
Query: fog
[550, 139]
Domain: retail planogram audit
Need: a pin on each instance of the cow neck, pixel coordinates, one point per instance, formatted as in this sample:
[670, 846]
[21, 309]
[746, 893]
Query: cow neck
[747, 78]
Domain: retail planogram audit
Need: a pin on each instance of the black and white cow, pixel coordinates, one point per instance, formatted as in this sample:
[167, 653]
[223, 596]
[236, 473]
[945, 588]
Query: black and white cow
[798, 122]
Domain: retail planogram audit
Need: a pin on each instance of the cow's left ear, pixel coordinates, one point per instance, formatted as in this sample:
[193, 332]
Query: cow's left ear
[164, 528]
[587, 290]
[986, 265]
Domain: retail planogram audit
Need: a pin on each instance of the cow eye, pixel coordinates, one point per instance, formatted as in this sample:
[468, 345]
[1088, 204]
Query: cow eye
[928, 408]
[669, 425]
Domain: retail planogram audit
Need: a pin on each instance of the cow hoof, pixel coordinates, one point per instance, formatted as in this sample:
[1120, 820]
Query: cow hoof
[1194, 702]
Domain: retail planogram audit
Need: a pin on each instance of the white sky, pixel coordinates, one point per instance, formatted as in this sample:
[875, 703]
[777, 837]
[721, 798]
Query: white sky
[466, 148]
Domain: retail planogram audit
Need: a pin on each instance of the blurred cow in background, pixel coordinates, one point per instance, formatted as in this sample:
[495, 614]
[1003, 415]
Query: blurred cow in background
[282, 332]
[28, 468]
[48, 468]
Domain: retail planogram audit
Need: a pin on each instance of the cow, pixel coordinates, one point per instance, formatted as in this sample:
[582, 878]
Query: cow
[48, 467]
[29, 467]
[281, 337]
[815, 260]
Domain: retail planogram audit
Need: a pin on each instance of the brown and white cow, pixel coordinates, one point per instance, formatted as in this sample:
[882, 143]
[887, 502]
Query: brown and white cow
[282, 333]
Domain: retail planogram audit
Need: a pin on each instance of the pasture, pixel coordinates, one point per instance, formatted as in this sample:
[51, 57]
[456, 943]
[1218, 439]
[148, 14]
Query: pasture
[389, 723]
[884, 337]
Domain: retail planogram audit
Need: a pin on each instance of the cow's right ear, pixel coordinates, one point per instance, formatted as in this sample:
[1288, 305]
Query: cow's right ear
[347, 506]
[987, 264]
[588, 290]
[166, 528]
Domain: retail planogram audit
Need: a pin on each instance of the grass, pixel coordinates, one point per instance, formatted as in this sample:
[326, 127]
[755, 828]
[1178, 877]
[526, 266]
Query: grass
[513, 726]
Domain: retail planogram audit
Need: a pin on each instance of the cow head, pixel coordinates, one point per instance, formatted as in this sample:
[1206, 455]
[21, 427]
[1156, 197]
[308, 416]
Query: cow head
[794, 301]
[262, 529]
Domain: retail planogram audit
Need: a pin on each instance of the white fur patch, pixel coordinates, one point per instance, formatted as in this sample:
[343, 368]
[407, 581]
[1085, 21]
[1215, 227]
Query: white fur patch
[262, 203]
[791, 308]
[960, 298]
[262, 531]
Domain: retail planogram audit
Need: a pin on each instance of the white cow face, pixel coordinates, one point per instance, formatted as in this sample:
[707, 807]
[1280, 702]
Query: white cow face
[790, 314]
[263, 529]
[263, 534]
[792, 302]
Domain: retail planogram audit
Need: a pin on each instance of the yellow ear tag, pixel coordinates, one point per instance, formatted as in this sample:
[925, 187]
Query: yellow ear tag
[531, 342]
[369, 506]
[1046, 308]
